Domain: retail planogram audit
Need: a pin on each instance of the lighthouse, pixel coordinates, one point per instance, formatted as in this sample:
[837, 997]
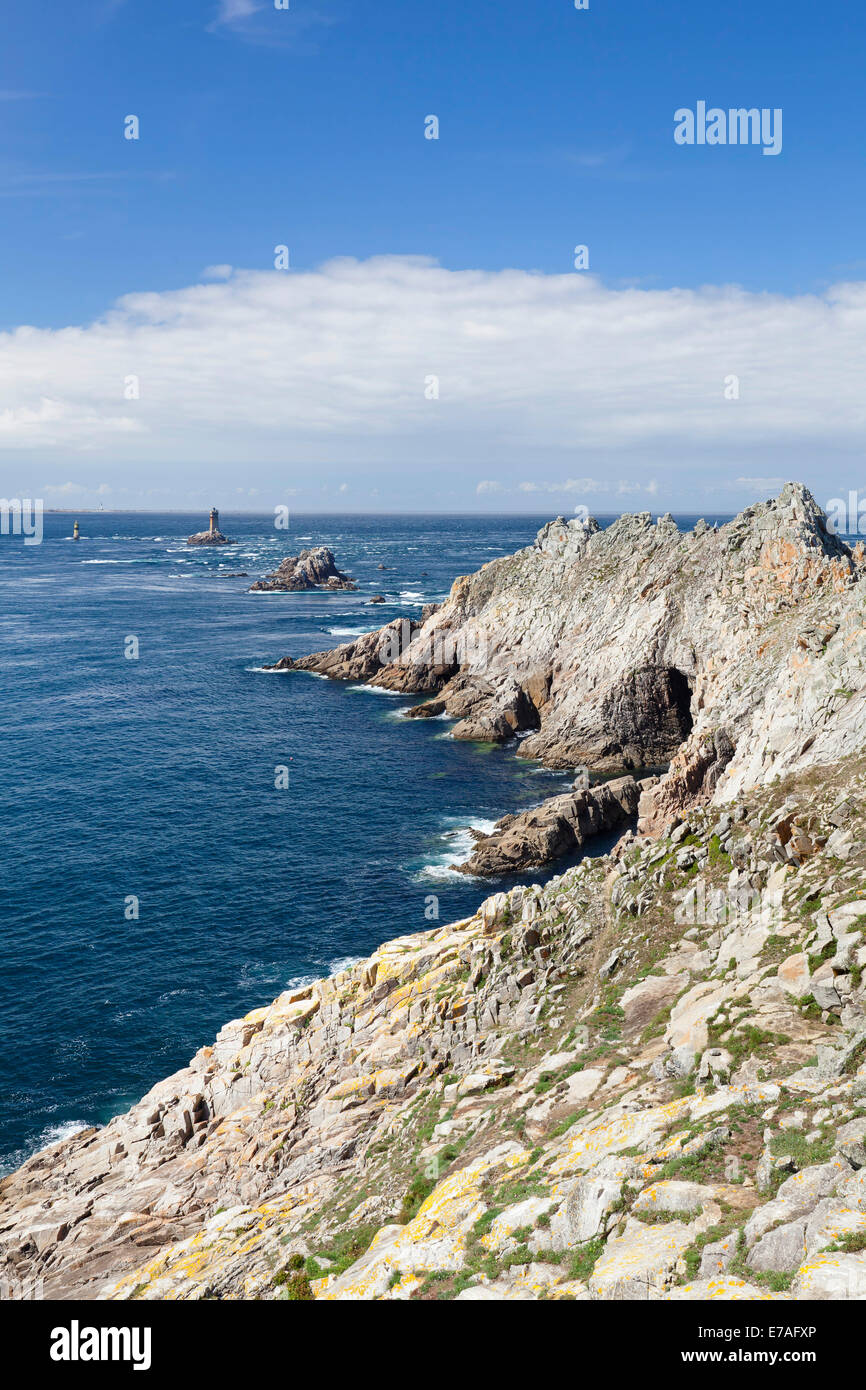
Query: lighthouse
[213, 535]
[75, 535]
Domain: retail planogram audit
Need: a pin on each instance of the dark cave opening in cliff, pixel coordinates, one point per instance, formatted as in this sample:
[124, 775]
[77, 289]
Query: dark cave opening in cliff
[679, 691]
[652, 715]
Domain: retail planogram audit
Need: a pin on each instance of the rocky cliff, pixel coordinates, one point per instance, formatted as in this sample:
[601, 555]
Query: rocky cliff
[734, 654]
[645, 1079]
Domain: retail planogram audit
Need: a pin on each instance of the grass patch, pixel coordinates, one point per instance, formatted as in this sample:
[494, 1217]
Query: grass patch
[792, 1143]
[346, 1248]
[414, 1198]
[583, 1260]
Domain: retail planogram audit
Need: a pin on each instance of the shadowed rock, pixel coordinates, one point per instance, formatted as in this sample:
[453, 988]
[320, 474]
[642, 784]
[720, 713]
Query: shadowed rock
[559, 826]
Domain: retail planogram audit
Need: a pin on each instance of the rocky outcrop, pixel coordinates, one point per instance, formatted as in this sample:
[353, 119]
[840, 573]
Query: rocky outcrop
[599, 1089]
[356, 661]
[735, 654]
[559, 826]
[212, 537]
[311, 569]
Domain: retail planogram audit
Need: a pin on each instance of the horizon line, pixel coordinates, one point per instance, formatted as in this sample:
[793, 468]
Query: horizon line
[196, 511]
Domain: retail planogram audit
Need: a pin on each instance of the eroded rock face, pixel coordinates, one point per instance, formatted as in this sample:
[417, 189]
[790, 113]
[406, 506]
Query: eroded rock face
[557, 827]
[312, 569]
[361, 660]
[736, 654]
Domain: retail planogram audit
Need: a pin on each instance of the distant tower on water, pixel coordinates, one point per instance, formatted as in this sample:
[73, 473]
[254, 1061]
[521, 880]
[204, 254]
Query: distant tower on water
[75, 535]
[213, 535]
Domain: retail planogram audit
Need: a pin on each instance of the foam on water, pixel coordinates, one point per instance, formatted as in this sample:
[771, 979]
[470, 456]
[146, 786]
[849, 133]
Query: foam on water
[379, 690]
[45, 1139]
[456, 845]
[333, 967]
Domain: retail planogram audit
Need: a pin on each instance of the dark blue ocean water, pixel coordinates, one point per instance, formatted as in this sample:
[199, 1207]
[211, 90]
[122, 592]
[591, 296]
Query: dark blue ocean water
[155, 778]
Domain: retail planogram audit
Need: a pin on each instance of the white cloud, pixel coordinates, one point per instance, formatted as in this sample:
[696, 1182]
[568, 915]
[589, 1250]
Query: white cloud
[295, 27]
[488, 485]
[50, 490]
[761, 485]
[620, 486]
[230, 11]
[217, 272]
[326, 369]
[62, 425]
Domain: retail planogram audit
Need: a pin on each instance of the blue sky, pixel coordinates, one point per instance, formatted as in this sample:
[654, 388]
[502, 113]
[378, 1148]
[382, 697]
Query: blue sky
[305, 127]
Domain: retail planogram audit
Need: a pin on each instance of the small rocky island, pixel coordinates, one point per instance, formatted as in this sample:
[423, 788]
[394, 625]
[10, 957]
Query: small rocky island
[213, 535]
[312, 569]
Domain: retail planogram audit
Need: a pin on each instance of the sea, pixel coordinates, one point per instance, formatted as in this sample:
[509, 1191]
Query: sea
[185, 834]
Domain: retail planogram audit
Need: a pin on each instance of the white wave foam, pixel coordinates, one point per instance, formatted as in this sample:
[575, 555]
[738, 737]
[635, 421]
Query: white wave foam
[430, 719]
[440, 873]
[344, 963]
[55, 1134]
[269, 670]
[334, 967]
[300, 982]
[349, 631]
[482, 824]
[459, 843]
[378, 690]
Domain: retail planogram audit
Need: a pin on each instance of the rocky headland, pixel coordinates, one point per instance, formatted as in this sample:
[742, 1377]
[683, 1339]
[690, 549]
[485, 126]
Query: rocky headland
[725, 654]
[645, 1079]
[311, 569]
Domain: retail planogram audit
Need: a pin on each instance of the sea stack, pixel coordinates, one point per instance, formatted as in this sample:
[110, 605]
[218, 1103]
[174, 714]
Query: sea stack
[312, 569]
[213, 535]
